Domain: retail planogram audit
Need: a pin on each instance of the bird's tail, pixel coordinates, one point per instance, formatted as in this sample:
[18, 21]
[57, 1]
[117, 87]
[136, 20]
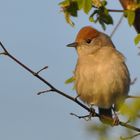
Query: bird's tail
[105, 115]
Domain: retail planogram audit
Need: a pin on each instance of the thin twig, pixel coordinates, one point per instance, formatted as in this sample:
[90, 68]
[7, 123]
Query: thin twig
[129, 126]
[44, 91]
[131, 96]
[115, 10]
[134, 81]
[116, 27]
[2, 53]
[42, 69]
[3, 47]
[131, 137]
[64, 94]
[110, 10]
[139, 50]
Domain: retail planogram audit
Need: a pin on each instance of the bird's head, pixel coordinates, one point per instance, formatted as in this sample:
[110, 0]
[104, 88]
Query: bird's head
[89, 39]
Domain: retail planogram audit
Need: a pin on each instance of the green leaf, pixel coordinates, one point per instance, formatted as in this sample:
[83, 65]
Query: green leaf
[87, 5]
[130, 16]
[105, 11]
[104, 3]
[64, 3]
[72, 8]
[91, 19]
[137, 39]
[131, 109]
[102, 24]
[68, 19]
[105, 16]
[80, 4]
[107, 19]
[70, 80]
[102, 16]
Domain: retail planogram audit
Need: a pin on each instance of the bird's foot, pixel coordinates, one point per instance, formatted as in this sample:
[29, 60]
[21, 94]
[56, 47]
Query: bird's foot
[92, 111]
[116, 121]
[116, 118]
[91, 114]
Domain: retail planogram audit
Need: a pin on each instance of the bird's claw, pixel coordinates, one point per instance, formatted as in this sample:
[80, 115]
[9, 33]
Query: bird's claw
[116, 121]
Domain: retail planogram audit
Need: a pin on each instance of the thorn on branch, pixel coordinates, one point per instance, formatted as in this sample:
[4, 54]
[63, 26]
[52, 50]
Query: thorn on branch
[41, 70]
[3, 53]
[76, 98]
[45, 91]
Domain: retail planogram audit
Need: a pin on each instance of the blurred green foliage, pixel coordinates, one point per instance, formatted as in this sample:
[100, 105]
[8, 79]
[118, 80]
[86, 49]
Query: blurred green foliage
[130, 14]
[131, 109]
[97, 12]
[137, 39]
[100, 13]
[70, 80]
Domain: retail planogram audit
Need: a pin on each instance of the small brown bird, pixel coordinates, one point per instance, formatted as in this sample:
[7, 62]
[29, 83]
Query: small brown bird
[101, 75]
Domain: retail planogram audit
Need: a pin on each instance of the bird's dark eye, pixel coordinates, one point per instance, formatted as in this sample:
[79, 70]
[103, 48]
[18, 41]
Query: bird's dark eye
[88, 41]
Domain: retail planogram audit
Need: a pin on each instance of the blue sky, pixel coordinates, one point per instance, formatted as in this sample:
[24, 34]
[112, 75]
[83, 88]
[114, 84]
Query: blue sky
[36, 33]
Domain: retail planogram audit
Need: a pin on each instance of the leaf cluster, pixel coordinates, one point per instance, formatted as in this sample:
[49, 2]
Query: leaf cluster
[97, 12]
[100, 13]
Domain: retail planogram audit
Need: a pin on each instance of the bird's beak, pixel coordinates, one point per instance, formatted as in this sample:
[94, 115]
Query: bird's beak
[74, 44]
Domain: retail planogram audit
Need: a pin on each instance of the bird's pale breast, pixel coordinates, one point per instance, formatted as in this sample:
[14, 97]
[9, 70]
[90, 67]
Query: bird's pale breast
[102, 78]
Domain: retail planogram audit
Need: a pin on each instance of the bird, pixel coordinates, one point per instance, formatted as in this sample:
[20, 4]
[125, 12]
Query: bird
[101, 77]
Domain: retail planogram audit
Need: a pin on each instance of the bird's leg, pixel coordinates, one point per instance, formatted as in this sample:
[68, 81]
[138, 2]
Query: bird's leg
[86, 117]
[116, 118]
[92, 112]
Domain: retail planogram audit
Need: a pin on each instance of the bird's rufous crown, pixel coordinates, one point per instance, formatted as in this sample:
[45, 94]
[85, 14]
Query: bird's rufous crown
[85, 33]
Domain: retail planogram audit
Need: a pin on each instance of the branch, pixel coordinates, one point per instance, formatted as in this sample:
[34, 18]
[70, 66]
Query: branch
[135, 97]
[52, 88]
[131, 137]
[113, 10]
[117, 26]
